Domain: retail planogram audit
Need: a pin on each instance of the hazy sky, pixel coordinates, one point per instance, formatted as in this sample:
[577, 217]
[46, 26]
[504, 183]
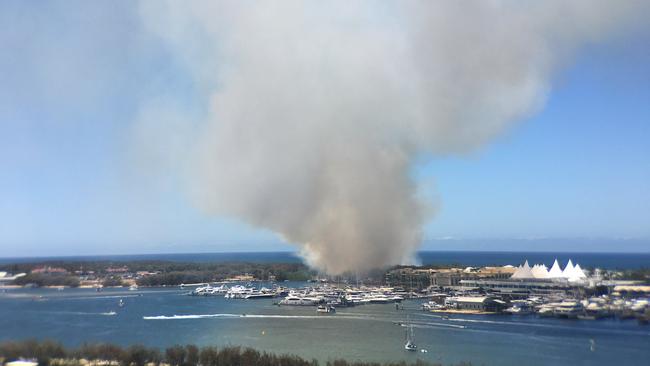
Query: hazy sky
[75, 75]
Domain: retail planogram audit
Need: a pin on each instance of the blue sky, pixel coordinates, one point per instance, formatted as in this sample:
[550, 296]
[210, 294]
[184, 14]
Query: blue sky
[576, 172]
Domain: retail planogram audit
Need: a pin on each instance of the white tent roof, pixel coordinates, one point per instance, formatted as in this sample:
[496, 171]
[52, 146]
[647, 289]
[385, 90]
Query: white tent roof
[579, 272]
[523, 272]
[556, 271]
[568, 270]
[540, 271]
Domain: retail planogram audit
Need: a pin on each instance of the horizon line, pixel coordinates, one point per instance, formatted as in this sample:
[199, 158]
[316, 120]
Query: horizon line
[295, 253]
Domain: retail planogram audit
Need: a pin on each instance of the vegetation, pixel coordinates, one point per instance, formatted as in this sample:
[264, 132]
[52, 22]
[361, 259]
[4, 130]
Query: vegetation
[53, 353]
[159, 273]
[641, 274]
[42, 279]
[112, 281]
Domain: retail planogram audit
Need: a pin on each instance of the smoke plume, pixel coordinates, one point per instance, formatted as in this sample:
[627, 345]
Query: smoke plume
[317, 110]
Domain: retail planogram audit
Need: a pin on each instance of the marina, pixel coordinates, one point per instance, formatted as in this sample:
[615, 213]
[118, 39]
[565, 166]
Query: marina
[371, 332]
[524, 290]
[560, 314]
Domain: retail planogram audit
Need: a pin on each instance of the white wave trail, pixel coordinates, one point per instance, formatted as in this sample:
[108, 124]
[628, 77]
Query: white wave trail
[256, 316]
[191, 316]
[431, 325]
[108, 313]
[99, 297]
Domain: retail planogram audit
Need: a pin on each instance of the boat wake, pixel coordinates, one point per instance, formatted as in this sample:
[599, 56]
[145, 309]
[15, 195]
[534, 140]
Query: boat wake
[97, 297]
[107, 313]
[434, 325]
[253, 316]
[191, 316]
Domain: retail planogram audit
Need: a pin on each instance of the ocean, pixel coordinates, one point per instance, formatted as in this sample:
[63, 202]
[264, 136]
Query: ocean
[166, 316]
[460, 258]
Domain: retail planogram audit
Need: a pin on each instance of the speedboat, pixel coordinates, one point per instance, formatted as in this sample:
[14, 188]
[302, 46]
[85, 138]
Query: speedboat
[519, 307]
[325, 309]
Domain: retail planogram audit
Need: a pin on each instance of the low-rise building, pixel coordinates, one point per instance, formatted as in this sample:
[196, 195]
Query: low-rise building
[476, 303]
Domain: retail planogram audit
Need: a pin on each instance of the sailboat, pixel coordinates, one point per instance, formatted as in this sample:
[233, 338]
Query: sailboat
[410, 339]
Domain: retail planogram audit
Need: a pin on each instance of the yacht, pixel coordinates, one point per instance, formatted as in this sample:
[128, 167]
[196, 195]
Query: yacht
[262, 294]
[432, 305]
[568, 309]
[299, 301]
[208, 290]
[239, 292]
[378, 299]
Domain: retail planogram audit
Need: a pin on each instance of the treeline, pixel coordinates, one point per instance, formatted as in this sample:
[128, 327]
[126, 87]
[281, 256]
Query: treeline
[53, 353]
[164, 272]
[50, 279]
[101, 267]
[641, 274]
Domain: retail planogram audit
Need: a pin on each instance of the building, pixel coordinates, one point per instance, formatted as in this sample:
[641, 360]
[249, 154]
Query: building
[453, 277]
[476, 303]
[241, 278]
[50, 270]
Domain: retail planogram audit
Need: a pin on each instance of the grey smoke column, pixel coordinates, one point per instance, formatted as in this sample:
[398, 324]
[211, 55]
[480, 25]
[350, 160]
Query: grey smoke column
[317, 109]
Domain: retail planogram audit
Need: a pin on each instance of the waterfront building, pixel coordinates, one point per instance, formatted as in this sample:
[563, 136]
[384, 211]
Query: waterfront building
[517, 288]
[49, 270]
[452, 277]
[476, 303]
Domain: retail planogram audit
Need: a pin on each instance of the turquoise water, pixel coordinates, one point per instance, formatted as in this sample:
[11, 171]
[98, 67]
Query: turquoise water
[163, 317]
[463, 258]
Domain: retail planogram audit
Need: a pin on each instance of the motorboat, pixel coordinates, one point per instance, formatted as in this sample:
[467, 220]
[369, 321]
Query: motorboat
[519, 307]
[325, 309]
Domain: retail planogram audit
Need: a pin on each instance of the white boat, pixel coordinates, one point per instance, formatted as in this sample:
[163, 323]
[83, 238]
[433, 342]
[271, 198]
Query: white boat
[299, 301]
[239, 292]
[208, 290]
[121, 303]
[378, 299]
[410, 339]
[432, 305]
[133, 287]
[520, 307]
[325, 309]
[568, 309]
[545, 311]
[259, 295]
[565, 309]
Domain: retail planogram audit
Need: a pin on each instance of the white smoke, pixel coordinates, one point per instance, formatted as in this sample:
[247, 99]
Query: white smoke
[318, 109]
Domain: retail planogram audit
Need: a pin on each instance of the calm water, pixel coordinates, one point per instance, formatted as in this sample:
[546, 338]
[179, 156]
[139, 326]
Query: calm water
[463, 258]
[163, 317]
